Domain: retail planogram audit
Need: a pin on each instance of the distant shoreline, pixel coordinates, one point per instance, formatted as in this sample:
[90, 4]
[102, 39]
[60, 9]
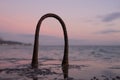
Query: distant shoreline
[5, 42]
[8, 42]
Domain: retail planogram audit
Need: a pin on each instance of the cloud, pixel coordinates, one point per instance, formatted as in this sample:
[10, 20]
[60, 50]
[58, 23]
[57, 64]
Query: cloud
[110, 17]
[108, 31]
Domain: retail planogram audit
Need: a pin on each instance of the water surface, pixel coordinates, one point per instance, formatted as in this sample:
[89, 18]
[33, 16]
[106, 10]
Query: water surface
[86, 63]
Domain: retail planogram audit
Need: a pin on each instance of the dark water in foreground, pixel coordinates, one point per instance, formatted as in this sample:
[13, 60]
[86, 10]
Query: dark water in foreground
[86, 63]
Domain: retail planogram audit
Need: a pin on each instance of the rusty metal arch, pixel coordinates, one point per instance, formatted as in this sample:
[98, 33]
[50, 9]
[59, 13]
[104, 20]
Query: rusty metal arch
[34, 62]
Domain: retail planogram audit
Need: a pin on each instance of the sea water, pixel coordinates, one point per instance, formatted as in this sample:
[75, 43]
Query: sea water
[85, 62]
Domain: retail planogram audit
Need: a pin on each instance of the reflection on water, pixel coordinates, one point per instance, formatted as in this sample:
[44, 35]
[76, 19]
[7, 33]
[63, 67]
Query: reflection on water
[35, 78]
[65, 71]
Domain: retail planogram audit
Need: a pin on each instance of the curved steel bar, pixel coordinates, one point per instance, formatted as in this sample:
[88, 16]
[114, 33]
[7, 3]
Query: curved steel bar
[34, 63]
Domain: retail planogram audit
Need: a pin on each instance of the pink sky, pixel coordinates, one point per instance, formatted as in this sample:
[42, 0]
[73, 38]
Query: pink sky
[85, 20]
